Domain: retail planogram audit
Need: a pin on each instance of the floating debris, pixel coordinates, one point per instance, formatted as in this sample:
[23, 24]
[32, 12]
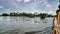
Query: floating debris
[45, 22]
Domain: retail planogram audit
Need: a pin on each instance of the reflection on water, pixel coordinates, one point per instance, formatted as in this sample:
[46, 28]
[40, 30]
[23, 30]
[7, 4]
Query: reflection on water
[25, 25]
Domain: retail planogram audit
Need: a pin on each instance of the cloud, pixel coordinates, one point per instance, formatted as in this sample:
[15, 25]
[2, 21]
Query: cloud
[18, 0]
[9, 11]
[41, 1]
[1, 7]
[28, 5]
[50, 12]
[27, 0]
[48, 5]
[23, 0]
[43, 12]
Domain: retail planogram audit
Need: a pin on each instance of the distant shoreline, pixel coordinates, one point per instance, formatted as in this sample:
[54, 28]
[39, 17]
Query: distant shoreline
[30, 15]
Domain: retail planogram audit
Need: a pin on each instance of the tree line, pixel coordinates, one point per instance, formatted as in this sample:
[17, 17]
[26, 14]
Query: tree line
[28, 14]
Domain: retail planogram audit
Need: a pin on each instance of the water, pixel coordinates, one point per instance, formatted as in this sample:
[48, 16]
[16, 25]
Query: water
[21, 25]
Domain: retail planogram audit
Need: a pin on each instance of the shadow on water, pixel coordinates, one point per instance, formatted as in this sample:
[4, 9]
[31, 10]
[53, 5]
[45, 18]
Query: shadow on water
[17, 31]
[46, 30]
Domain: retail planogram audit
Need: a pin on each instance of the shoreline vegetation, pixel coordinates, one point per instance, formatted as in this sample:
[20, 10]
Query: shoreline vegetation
[30, 15]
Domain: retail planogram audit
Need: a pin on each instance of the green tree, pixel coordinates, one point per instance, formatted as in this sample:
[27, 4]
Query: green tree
[43, 15]
[5, 14]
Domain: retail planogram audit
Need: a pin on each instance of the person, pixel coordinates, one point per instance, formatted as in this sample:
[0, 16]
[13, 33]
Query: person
[57, 22]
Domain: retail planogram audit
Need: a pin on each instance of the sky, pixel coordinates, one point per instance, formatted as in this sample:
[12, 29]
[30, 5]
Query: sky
[29, 6]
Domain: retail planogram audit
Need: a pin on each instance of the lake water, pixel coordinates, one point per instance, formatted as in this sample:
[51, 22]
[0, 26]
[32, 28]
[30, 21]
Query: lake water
[21, 25]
